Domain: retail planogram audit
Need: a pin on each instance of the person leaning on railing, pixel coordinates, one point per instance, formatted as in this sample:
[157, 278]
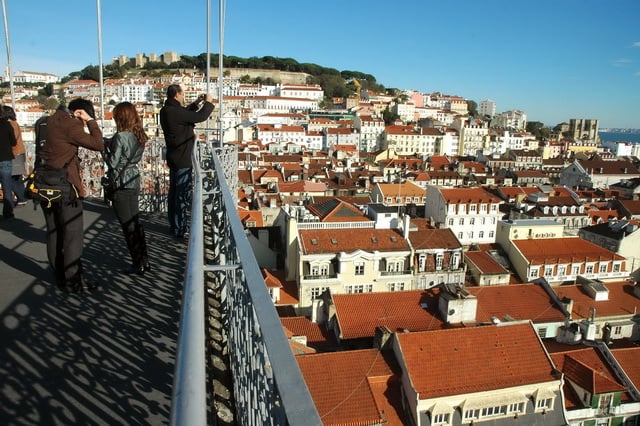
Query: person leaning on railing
[177, 124]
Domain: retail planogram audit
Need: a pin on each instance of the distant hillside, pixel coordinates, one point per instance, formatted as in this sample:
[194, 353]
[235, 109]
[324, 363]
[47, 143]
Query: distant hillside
[334, 83]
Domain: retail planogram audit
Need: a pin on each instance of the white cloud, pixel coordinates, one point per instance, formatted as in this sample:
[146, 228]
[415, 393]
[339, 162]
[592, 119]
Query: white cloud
[622, 62]
[636, 44]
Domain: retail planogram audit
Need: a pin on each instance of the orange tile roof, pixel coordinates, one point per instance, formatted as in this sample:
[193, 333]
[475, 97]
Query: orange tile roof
[424, 239]
[480, 359]
[563, 250]
[518, 301]
[468, 195]
[321, 241]
[586, 367]
[621, 300]
[405, 189]
[484, 262]
[352, 387]
[358, 315]
[628, 360]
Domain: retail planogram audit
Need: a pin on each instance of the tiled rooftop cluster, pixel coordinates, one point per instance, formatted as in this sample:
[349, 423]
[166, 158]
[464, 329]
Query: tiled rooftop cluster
[437, 269]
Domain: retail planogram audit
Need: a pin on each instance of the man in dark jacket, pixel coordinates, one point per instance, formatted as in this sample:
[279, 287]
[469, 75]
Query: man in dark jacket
[59, 138]
[177, 124]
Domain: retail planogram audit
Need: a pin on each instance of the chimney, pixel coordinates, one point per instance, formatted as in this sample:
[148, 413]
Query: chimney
[406, 221]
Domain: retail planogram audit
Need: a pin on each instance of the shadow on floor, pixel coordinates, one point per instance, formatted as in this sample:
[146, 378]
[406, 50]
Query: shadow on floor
[103, 358]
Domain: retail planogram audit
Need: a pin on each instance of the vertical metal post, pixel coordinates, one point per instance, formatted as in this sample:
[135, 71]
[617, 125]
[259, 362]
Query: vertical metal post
[220, 70]
[100, 63]
[9, 66]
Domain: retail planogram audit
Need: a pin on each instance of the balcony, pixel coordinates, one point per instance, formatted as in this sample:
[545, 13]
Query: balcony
[147, 350]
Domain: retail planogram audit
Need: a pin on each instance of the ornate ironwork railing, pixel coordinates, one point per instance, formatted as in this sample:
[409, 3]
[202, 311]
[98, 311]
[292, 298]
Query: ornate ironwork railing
[256, 379]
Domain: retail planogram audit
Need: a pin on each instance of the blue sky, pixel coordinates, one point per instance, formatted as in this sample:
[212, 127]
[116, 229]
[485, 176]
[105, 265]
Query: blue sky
[553, 59]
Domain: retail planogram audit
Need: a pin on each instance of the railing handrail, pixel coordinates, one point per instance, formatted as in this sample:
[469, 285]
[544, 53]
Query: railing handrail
[189, 398]
[297, 402]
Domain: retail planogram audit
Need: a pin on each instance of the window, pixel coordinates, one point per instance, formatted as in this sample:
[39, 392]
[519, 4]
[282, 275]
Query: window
[455, 260]
[494, 411]
[534, 272]
[516, 407]
[575, 269]
[422, 261]
[491, 234]
[548, 271]
[589, 269]
[603, 268]
[544, 404]
[616, 267]
[359, 268]
[461, 221]
[483, 208]
[440, 418]
[439, 260]
[481, 234]
[471, 414]
[317, 291]
[472, 208]
[355, 288]
[617, 330]
[450, 222]
[460, 235]
[395, 286]
[562, 270]
[315, 270]
[542, 332]
[494, 208]
[368, 288]
[324, 269]
[472, 221]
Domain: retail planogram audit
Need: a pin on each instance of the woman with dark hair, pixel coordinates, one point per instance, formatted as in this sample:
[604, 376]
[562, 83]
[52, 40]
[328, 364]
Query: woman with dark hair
[18, 165]
[122, 155]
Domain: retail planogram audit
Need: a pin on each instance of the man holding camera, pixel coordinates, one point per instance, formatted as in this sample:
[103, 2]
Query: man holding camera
[177, 124]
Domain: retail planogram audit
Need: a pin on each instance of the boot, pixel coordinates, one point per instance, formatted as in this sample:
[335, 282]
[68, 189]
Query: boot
[77, 284]
[138, 251]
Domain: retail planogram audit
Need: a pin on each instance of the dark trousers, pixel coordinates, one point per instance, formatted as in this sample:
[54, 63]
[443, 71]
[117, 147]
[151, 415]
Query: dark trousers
[7, 185]
[179, 199]
[125, 205]
[65, 235]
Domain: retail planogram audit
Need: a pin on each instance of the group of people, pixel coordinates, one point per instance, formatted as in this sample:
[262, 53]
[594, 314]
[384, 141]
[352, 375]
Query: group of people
[58, 138]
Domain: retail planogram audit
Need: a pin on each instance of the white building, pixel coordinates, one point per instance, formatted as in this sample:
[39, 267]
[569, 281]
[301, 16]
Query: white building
[32, 77]
[471, 213]
[487, 108]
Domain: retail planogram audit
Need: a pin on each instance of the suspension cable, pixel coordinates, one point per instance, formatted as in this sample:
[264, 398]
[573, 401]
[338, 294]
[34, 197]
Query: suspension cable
[9, 66]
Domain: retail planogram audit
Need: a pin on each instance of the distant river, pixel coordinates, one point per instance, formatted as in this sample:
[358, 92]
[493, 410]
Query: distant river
[619, 137]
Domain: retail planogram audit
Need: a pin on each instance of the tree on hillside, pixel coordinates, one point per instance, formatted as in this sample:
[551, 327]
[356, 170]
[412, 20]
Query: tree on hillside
[472, 107]
[538, 129]
[90, 72]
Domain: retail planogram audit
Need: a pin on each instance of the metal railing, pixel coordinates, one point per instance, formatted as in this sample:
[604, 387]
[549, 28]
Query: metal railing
[267, 385]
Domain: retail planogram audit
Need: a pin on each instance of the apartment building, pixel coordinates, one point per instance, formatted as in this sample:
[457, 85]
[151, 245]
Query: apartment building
[351, 262]
[560, 260]
[501, 374]
[409, 140]
[472, 214]
[437, 255]
[593, 174]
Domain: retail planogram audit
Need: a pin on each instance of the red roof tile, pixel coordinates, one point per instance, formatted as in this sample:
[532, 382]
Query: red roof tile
[479, 359]
[358, 315]
[621, 300]
[563, 250]
[321, 241]
[340, 384]
[517, 301]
